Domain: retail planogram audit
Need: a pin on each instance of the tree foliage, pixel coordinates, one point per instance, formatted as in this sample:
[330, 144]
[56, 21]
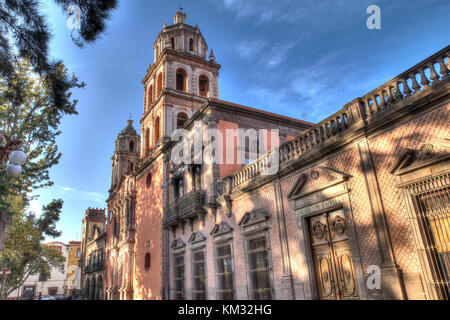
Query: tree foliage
[28, 114]
[24, 31]
[24, 254]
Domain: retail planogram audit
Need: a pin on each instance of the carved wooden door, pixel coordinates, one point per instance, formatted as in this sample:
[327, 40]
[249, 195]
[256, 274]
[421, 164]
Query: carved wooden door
[333, 262]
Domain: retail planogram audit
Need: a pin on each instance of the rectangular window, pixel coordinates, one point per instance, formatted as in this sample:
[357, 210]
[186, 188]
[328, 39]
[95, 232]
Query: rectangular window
[259, 269]
[178, 270]
[198, 276]
[28, 292]
[433, 213]
[78, 253]
[224, 273]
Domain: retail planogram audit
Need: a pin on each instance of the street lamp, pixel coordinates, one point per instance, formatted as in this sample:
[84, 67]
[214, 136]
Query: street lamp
[17, 159]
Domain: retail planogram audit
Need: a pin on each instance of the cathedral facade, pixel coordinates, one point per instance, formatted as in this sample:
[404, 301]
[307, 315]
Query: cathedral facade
[223, 201]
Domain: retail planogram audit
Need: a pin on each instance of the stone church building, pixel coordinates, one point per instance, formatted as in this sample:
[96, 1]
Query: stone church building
[353, 207]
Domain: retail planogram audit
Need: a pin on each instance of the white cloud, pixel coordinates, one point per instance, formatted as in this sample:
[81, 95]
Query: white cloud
[250, 48]
[317, 89]
[73, 193]
[264, 54]
[35, 206]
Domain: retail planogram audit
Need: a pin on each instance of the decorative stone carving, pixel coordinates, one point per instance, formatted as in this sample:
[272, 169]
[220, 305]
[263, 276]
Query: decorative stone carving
[315, 174]
[339, 225]
[226, 203]
[178, 244]
[318, 230]
[298, 186]
[197, 237]
[426, 149]
[253, 217]
[221, 228]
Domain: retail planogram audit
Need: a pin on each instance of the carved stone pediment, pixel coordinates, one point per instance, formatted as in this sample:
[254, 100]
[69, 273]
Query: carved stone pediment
[220, 229]
[253, 217]
[178, 243]
[315, 180]
[197, 237]
[298, 186]
[425, 155]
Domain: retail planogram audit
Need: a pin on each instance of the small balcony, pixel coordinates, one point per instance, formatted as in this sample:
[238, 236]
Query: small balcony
[187, 207]
[94, 267]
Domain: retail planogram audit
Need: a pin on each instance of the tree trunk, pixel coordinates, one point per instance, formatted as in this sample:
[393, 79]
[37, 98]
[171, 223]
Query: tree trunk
[5, 222]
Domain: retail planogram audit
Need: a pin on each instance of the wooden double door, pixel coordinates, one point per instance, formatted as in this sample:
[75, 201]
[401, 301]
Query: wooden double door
[333, 264]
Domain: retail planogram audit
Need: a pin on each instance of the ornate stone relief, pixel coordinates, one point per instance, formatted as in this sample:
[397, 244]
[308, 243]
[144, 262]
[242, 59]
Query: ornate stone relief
[253, 217]
[197, 237]
[178, 244]
[221, 228]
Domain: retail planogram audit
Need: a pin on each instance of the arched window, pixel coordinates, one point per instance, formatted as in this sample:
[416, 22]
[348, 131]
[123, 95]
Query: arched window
[149, 180]
[150, 95]
[191, 44]
[147, 261]
[181, 80]
[179, 188]
[172, 42]
[160, 84]
[131, 146]
[157, 131]
[181, 119]
[203, 84]
[197, 178]
[147, 141]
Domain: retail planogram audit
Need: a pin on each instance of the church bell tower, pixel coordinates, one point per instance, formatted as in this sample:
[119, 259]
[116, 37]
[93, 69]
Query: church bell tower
[126, 153]
[182, 78]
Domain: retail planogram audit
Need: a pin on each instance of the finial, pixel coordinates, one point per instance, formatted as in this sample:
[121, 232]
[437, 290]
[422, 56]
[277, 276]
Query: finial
[212, 57]
[180, 8]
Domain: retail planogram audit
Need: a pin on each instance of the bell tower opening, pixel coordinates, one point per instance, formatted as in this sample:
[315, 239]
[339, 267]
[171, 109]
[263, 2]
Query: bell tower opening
[203, 84]
[181, 80]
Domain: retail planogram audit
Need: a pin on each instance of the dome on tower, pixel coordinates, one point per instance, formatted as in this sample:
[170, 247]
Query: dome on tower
[181, 37]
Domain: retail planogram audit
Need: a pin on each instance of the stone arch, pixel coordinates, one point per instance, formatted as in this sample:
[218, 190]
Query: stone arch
[204, 85]
[181, 79]
[150, 95]
[147, 141]
[99, 289]
[87, 287]
[157, 130]
[159, 84]
[92, 289]
[182, 118]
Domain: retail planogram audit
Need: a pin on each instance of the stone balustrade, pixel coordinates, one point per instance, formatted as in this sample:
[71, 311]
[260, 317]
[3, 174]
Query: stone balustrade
[421, 76]
[410, 82]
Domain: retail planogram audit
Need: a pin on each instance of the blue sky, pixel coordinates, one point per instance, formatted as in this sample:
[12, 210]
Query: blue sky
[299, 58]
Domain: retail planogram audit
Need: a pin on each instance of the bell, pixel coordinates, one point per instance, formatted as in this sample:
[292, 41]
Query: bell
[13, 170]
[17, 157]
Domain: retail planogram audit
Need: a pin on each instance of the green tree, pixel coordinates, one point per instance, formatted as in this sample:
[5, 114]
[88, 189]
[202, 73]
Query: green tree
[25, 32]
[24, 253]
[29, 114]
